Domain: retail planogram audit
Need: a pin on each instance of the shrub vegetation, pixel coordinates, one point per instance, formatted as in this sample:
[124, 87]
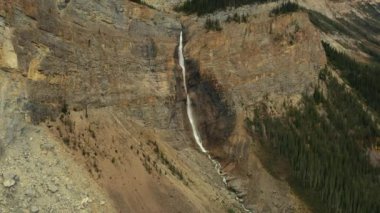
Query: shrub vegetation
[237, 18]
[213, 24]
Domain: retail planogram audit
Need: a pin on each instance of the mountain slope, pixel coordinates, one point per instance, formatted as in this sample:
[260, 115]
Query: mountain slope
[94, 117]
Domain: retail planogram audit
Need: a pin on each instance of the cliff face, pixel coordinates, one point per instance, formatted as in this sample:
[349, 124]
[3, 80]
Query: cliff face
[92, 54]
[99, 79]
[269, 56]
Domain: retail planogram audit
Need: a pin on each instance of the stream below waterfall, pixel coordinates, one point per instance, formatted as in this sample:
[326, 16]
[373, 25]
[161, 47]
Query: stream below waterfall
[190, 115]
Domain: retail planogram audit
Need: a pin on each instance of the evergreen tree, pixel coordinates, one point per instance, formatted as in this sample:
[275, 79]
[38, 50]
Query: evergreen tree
[327, 150]
[202, 7]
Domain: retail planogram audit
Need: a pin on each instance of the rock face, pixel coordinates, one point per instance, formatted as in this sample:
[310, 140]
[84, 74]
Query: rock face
[99, 81]
[91, 55]
[268, 56]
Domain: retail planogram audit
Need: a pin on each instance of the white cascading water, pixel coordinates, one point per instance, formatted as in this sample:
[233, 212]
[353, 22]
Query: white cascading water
[190, 115]
[188, 100]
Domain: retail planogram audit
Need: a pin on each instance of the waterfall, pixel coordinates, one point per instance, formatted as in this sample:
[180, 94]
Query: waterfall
[190, 115]
[189, 110]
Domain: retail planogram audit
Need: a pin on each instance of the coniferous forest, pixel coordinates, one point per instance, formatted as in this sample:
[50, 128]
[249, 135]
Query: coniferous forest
[208, 6]
[286, 7]
[325, 143]
[365, 78]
